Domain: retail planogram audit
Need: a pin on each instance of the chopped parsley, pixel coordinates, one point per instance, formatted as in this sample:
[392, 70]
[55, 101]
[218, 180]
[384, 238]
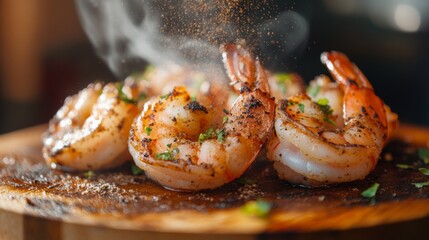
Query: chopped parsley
[88, 174]
[404, 166]
[142, 96]
[193, 98]
[423, 155]
[211, 133]
[122, 96]
[207, 135]
[148, 130]
[371, 191]
[313, 90]
[167, 155]
[169, 145]
[165, 96]
[301, 107]
[323, 104]
[225, 119]
[282, 79]
[220, 133]
[258, 208]
[421, 184]
[425, 171]
[136, 170]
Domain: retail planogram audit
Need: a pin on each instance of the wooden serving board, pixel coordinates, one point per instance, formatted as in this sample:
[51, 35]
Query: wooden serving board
[38, 202]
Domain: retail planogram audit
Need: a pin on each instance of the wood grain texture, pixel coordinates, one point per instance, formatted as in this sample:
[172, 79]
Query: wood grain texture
[120, 202]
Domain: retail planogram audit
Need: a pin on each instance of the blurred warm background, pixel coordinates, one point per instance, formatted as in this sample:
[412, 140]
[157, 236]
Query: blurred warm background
[45, 55]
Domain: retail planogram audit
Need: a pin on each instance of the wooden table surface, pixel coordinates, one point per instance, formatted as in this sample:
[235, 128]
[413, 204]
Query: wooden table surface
[391, 220]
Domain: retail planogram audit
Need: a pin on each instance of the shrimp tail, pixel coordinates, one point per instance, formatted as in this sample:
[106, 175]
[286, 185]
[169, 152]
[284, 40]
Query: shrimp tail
[358, 91]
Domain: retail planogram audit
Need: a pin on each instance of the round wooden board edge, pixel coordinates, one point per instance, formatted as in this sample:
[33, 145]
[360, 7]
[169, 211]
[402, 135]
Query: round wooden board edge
[234, 221]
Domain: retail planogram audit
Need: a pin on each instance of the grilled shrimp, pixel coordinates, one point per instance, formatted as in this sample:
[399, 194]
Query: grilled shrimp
[283, 85]
[311, 148]
[183, 145]
[90, 131]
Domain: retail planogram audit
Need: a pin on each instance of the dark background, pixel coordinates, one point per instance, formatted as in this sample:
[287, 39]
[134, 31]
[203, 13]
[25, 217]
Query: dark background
[45, 55]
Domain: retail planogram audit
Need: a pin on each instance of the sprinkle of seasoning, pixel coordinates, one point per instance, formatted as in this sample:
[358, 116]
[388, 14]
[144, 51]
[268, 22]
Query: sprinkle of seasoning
[425, 171]
[421, 184]
[258, 208]
[301, 107]
[371, 191]
[136, 170]
[423, 154]
[148, 130]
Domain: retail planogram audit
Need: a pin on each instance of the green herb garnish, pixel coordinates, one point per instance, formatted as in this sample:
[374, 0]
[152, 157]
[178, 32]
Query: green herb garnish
[423, 154]
[165, 96]
[313, 90]
[148, 130]
[404, 166]
[142, 96]
[421, 184]
[207, 135]
[211, 133]
[258, 208]
[323, 104]
[167, 155]
[122, 96]
[282, 79]
[225, 119]
[88, 174]
[136, 170]
[425, 171]
[371, 191]
[169, 145]
[220, 133]
[301, 107]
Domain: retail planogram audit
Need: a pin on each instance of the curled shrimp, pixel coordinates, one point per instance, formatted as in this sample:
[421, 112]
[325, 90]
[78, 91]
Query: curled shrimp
[310, 148]
[182, 145]
[90, 131]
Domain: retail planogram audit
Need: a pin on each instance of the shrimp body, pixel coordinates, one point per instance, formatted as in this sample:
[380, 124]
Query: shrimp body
[90, 131]
[184, 145]
[310, 148]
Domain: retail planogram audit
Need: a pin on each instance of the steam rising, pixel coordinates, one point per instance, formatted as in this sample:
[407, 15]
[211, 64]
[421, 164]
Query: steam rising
[127, 33]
